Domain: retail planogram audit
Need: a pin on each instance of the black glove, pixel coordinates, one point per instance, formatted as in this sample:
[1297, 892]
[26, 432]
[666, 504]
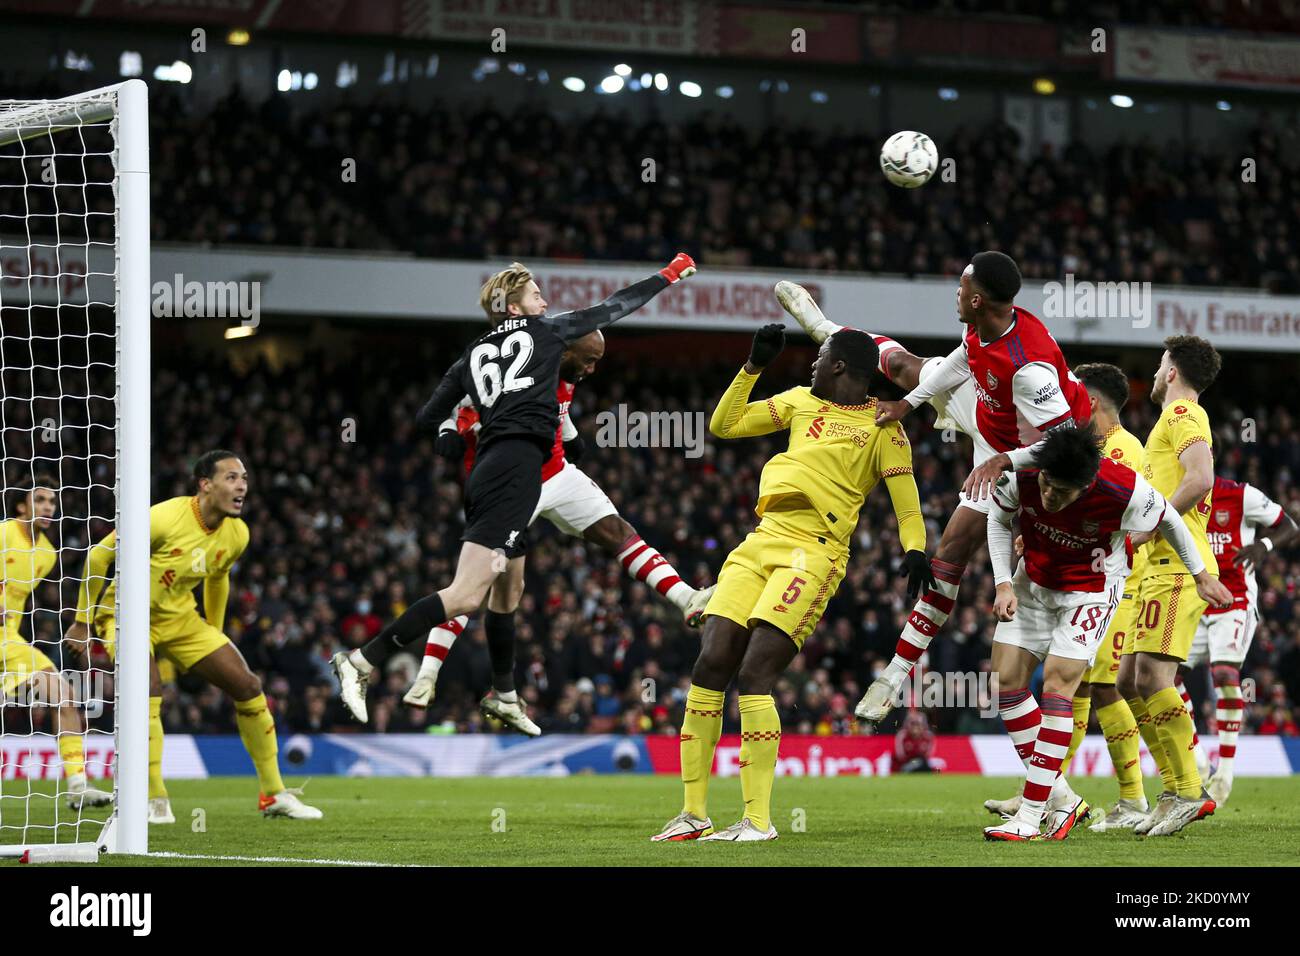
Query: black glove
[768, 343]
[450, 445]
[574, 448]
[916, 568]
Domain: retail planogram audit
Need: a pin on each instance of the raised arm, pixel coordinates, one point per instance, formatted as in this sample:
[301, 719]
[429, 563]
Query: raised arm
[574, 325]
[736, 416]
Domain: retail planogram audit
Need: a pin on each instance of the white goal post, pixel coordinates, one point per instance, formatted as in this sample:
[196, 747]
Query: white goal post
[40, 143]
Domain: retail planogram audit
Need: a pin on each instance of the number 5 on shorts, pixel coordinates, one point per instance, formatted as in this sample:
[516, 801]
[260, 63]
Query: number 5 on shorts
[794, 590]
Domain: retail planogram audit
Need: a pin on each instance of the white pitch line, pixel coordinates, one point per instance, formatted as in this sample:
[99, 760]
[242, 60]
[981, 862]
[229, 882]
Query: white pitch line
[274, 859]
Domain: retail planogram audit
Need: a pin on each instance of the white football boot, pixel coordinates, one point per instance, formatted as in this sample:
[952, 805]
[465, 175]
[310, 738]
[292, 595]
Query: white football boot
[512, 715]
[1124, 815]
[1219, 786]
[1164, 803]
[696, 605]
[683, 827]
[160, 811]
[797, 301]
[352, 684]
[1182, 812]
[80, 796]
[1012, 830]
[742, 832]
[422, 691]
[877, 702]
[286, 804]
[1004, 808]
[1065, 810]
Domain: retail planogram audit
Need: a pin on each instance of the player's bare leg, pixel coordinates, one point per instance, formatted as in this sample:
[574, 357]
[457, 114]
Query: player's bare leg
[226, 669]
[722, 648]
[477, 568]
[963, 536]
[644, 563]
[503, 702]
[52, 688]
[1043, 794]
[767, 656]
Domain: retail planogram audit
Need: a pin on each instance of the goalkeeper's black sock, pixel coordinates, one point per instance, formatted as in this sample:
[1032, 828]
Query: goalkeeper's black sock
[500, 630]
[414, 625]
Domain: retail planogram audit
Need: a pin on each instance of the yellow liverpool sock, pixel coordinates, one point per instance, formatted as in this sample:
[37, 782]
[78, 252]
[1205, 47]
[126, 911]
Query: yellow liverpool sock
[1121, 733]
[73, 752]
[1151, 738]
[1177, 733]
[701, 728]
[760, 739]
[157, 788]
[257, 730]
[1081, 706]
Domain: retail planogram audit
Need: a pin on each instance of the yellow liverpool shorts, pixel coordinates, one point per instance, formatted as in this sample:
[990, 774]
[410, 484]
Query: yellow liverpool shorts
[186, 640]
[782, 580]
[1105, 667]
[1169, 610]
[106, 631]
[19, 660]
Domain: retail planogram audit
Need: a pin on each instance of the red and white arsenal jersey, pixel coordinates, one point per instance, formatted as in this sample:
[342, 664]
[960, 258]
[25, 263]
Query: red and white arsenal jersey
[1236, 510]
[1023, 366]
[1083, 547]
[467, 424]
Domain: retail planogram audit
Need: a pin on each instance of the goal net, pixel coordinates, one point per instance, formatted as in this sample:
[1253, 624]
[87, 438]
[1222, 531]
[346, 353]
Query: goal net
[74, 460]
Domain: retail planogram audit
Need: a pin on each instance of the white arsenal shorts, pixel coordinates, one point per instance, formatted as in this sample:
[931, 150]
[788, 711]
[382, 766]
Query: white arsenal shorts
[1223, 638]
[572, 502]
[956, 409]
[1069, 624]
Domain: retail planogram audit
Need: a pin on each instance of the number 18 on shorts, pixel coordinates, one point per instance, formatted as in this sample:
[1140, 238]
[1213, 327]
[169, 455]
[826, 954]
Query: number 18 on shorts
[1067, 624]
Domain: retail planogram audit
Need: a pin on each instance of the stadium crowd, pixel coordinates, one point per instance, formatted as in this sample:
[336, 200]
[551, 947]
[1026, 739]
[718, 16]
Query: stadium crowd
[446, 182]
[353, 517]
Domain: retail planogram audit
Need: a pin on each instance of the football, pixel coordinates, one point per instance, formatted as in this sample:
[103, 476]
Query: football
[909, 159]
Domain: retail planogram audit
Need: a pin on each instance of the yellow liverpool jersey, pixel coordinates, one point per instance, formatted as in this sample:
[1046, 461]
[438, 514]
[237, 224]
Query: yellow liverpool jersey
[1182, 424]
[25, 565]
[836, 455]
[1122, 447]
[183, 553]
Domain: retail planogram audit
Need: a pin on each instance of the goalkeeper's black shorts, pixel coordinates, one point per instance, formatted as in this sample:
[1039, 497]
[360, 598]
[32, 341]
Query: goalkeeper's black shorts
[501, 495]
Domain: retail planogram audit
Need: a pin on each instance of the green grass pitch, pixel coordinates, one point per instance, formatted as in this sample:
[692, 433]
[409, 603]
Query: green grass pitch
[607, 821]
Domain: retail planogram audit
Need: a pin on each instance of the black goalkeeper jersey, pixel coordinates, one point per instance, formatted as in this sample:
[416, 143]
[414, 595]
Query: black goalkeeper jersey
[511, 373]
